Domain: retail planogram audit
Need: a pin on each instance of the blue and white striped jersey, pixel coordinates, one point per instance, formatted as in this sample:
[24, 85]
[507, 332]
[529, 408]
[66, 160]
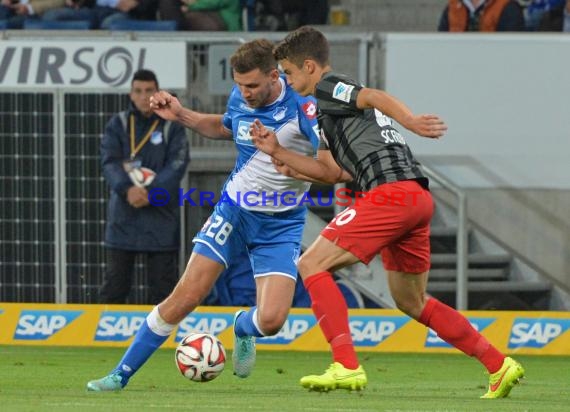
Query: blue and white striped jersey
[294, 119]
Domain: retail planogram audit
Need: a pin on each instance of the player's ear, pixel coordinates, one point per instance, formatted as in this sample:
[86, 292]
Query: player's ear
[274, 74]
[309, 66]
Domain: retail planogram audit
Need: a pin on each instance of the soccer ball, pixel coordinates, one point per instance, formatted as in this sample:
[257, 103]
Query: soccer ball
[141, 177]
[200, 357]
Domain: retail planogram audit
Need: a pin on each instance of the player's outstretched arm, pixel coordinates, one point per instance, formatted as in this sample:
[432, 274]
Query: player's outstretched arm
[169, 107]
[282, 168]
[323, 169]
[426, 125]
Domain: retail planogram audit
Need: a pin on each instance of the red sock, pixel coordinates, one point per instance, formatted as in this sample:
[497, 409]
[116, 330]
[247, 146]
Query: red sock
[330, 309]
[455, 329]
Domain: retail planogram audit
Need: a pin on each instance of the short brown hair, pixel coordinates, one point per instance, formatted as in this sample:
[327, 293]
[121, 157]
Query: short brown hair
[302, 44]
[255, 54]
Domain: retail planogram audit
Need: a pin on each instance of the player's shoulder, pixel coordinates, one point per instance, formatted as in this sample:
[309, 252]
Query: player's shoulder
[334, 77]
[306, 105]
[334, 84]
[235, 95]
[236, 102]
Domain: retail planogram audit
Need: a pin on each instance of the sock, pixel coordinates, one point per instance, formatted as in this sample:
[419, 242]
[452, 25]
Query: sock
[330, 309]
[455, 329]
[152, 333]
[246, 324]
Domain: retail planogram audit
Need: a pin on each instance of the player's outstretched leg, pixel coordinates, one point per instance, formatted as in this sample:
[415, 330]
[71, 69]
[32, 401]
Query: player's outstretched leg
[243, 356]
[152, 333]
[502, 381]
[336, 377]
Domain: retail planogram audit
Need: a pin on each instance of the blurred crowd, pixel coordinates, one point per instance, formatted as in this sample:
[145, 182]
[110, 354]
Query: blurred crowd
[265, 15]
[505, 15]
[201, 15]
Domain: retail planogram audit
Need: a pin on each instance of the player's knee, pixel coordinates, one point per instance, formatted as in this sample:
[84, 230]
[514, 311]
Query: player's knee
[411, 307]
[270, 323]
[306, 266]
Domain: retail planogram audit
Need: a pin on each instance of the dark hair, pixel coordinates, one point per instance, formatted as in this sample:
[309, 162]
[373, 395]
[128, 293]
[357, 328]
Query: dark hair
[145, 75]
[302, 44]
[255, 54]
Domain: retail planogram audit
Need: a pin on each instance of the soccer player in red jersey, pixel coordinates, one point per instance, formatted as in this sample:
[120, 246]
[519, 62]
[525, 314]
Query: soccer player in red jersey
[358, 138]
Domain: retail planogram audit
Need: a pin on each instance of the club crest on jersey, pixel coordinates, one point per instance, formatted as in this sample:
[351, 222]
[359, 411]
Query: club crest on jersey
[310, 110]
[156, 138]
[279, 113]
[342, 91]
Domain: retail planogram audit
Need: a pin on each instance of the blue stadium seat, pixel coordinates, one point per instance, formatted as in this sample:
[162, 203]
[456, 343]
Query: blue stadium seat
[143, 25]
[57, 25]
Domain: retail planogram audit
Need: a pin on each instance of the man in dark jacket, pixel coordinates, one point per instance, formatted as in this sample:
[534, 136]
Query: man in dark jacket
[134, 139]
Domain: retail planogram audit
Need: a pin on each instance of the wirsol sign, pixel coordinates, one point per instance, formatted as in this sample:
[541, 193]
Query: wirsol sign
[89, 65]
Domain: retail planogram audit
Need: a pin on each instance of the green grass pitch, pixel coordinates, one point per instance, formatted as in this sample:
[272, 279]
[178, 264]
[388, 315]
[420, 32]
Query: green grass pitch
[54, 378]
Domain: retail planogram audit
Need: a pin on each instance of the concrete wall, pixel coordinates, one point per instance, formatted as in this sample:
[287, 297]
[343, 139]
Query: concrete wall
[394, 15]
[503, 96]
[506, 103]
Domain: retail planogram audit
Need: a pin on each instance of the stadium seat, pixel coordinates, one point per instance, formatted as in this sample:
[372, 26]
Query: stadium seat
[57, 25]
[143, 25]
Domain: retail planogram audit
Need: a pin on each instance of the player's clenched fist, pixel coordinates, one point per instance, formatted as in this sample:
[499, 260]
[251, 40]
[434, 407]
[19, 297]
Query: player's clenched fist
[165, 105]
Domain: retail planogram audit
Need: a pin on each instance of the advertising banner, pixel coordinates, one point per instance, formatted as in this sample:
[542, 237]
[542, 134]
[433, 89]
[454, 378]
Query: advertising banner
[373, 330]
[92, 65]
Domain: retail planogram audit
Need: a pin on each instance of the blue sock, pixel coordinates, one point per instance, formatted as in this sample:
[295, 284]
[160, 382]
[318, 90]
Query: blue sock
[146, 342]
[245, 325]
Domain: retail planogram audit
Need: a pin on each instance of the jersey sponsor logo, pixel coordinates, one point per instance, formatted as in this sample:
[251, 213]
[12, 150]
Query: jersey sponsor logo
[243, 136]
[382, 119]
[295, 326]
[279, 113]
[371, 330]
[536, 333]
[434, 341]
[310, 110]
[42, 324]
[117, 326]
[213, 323]
[342, 91]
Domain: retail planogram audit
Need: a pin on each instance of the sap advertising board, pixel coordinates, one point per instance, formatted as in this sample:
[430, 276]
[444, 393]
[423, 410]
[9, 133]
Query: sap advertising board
[74, 64]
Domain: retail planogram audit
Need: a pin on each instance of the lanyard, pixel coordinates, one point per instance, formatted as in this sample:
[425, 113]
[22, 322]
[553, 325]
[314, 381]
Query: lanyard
[137, 148]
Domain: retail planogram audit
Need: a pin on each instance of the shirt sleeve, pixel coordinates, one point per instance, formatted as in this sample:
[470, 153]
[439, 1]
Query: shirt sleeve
[227, 118]
[337, 94]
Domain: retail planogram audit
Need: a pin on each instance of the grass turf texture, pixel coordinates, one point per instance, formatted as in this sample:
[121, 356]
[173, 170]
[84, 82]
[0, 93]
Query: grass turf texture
[54, 378]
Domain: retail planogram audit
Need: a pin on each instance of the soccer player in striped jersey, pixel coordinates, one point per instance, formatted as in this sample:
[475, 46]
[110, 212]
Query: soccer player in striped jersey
[392, 218]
